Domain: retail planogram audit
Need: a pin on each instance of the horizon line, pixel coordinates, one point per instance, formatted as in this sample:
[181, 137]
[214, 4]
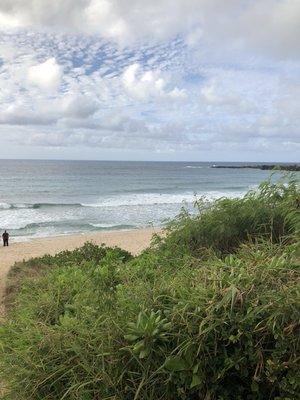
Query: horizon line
[152, 161]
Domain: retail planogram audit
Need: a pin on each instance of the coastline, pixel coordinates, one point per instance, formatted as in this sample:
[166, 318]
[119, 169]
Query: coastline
[134, 241]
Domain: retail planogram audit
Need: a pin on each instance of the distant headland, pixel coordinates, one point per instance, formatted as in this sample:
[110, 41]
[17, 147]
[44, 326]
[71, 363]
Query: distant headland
[282, 167]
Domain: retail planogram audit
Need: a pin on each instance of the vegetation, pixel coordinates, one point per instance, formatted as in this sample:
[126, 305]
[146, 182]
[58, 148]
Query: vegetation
[210, 311]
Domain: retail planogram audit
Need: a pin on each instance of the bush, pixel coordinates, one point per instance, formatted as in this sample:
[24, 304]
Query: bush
[271, 212]
[88, 252]
[35, 267]
[164, 325]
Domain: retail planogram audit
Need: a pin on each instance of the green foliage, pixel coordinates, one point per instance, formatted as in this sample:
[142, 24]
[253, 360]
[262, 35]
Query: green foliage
[88, 252]
[147, 332]
[271, 212]
[35, 267]
[187, 319]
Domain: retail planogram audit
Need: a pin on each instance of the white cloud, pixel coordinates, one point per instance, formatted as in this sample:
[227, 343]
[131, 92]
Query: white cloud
[206, 89]
[144, 85]
[8, 21]
[17, 114]
[214, 95]
[273, 26]
[78, 106]
[103, 17]
[234, 23]
[46, 75]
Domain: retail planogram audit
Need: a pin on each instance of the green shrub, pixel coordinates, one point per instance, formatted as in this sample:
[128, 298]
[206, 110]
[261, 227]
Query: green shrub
[37, 266]
[271, 212]
[88, 252]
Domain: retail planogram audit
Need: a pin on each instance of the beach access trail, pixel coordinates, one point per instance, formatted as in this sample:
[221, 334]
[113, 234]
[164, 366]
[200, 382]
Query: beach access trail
[133, 241]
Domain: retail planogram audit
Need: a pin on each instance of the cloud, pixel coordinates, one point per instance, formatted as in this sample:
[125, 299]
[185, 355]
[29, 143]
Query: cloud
[144, 85]
[8, 21]
[73, 110]
[20, 116]
[215, 95]
[281, 27]
[102, 16]
[232, 23]
[78, 106]
[46, 75]
[186, 78]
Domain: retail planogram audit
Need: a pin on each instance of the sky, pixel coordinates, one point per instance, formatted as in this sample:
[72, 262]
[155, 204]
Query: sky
[194, 80]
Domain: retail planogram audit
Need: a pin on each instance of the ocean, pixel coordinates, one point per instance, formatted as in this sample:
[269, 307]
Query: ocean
[50, 198]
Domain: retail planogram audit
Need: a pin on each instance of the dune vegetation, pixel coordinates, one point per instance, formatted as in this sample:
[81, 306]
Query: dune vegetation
[210, 311]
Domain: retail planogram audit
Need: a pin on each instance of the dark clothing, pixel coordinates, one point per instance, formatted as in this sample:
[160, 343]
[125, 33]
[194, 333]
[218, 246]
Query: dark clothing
[5, 238]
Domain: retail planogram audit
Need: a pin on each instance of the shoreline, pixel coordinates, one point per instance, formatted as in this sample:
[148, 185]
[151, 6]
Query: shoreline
[28, 239]
[133, 240]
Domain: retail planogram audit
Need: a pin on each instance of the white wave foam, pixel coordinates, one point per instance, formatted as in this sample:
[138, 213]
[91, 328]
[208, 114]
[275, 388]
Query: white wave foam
[115, 226]
[194, 166]
[103, 225]
[8, 206]
[5, 206]
[143, 199]
[21, 218]
[21, 206]
[214, 195]
[149, 199]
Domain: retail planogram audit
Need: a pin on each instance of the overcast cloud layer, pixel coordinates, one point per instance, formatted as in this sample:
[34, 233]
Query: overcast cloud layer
[141, 79]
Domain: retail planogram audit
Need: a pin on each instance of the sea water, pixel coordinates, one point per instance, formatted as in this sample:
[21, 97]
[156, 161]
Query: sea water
[48, 198]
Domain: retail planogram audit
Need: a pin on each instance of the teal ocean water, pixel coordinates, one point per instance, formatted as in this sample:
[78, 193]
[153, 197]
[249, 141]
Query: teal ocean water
[47, 198]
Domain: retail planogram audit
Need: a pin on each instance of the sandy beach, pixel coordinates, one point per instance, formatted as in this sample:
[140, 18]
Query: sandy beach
[134, 241]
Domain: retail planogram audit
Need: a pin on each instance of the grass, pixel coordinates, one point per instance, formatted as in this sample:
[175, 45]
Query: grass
[210, 311]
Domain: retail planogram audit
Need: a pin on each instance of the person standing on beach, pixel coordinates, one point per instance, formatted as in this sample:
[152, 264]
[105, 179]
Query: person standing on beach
[5, 237]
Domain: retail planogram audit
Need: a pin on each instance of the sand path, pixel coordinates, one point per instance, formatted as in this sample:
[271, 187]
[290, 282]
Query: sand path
[134, 241]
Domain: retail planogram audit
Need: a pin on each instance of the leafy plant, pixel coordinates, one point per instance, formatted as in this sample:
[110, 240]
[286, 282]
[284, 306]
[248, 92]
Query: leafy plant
[147, 333]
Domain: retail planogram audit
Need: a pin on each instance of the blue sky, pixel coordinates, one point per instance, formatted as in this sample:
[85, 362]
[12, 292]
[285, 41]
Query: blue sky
[150, 80]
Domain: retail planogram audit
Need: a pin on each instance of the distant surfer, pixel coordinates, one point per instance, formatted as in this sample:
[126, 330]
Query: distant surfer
[5, 237]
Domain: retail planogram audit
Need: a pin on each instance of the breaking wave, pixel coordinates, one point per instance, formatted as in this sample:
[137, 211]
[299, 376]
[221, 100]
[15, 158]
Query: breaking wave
[17, 206]
[195, 166]
[140, 199]
[159, 199]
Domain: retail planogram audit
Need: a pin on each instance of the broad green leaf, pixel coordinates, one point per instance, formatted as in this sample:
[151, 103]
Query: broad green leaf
[175, 364]
[196, 381]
